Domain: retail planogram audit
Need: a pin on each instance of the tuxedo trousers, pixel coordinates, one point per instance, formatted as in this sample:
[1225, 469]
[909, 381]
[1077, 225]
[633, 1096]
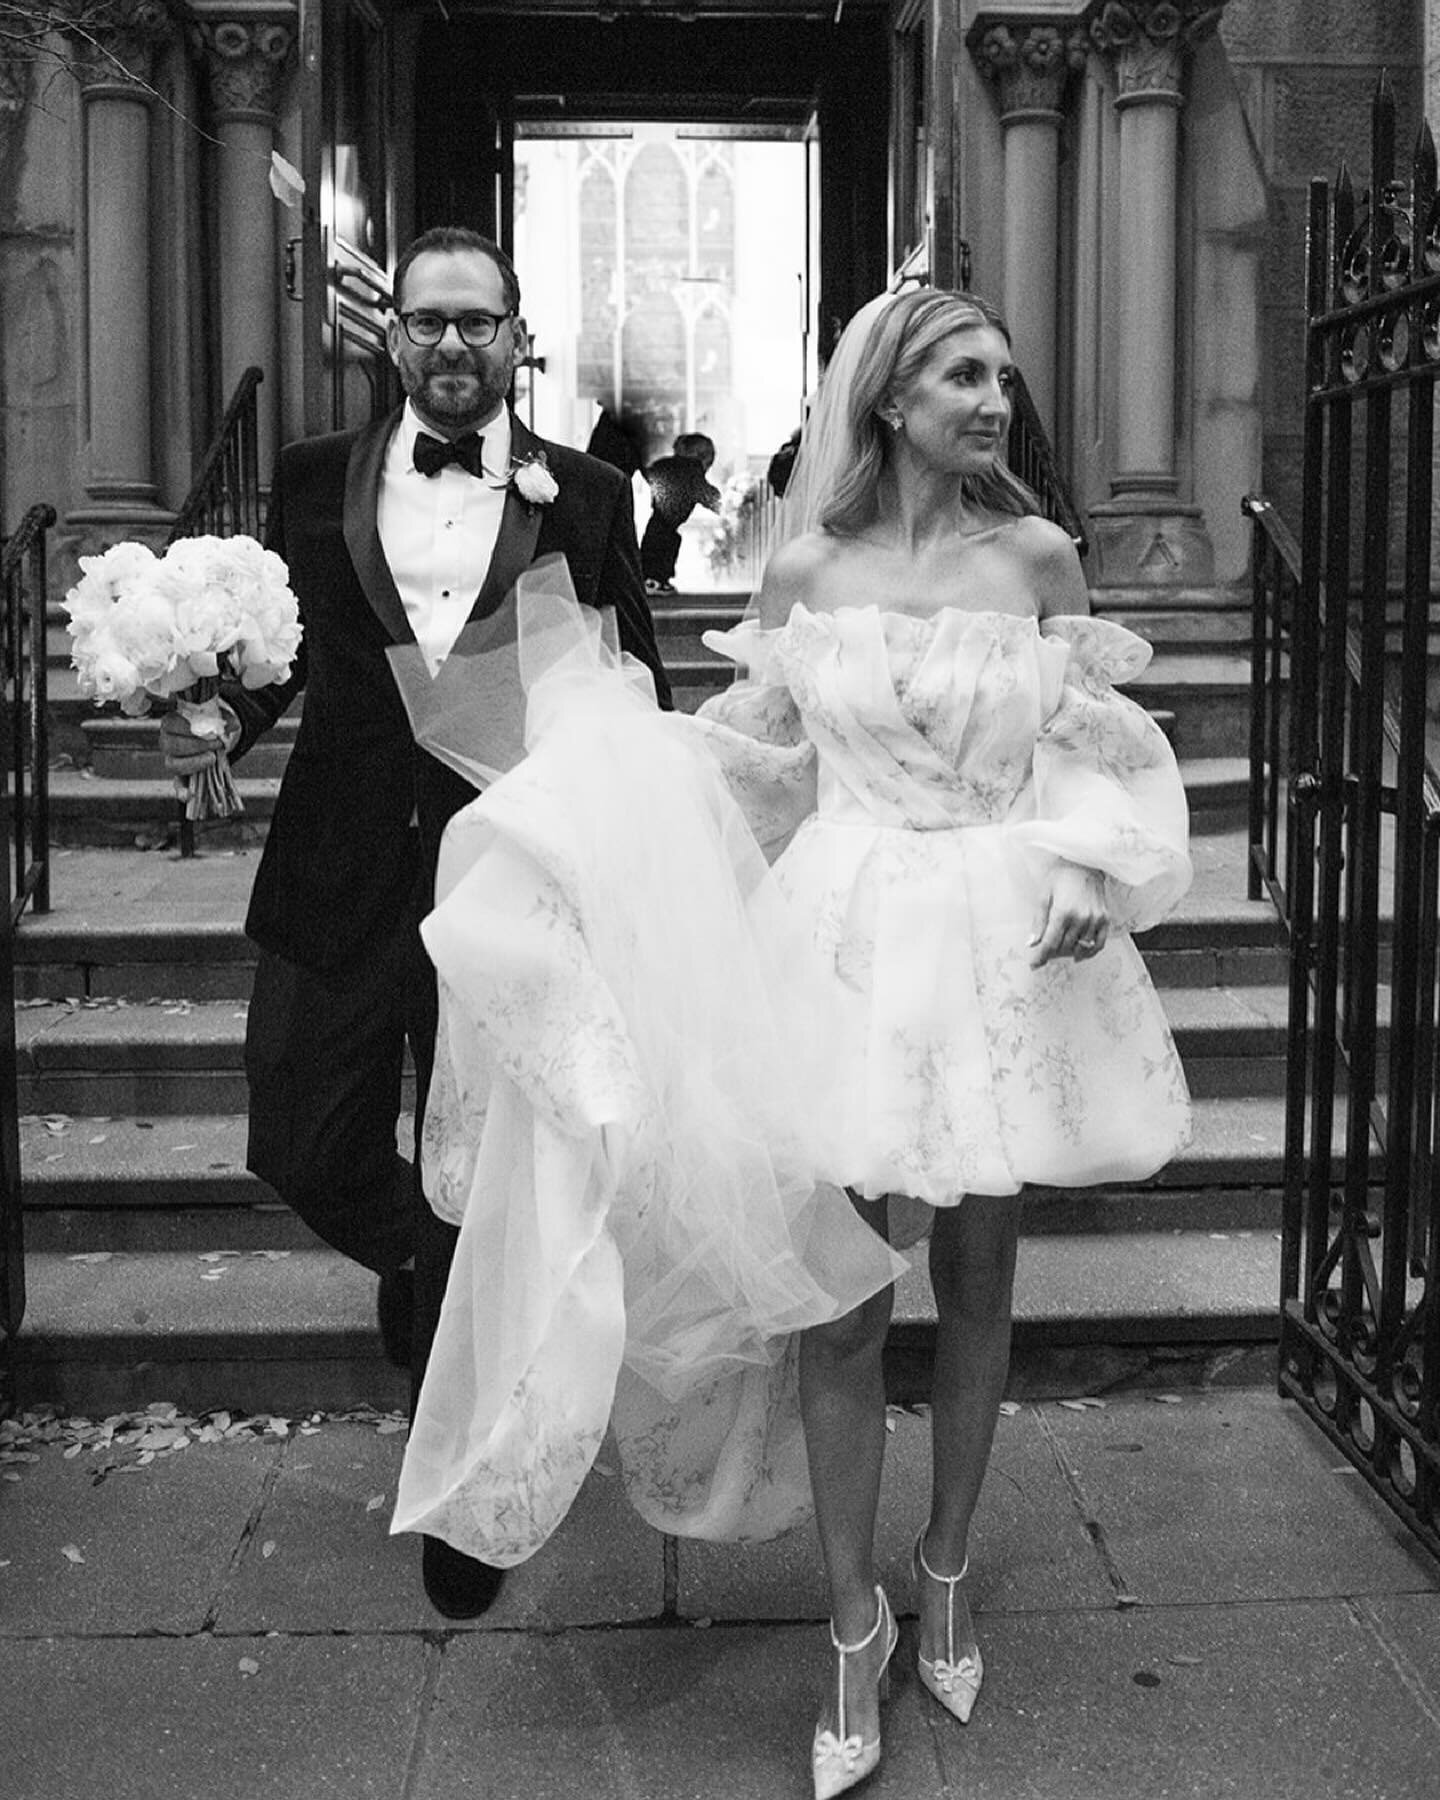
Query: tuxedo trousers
[325, 1058]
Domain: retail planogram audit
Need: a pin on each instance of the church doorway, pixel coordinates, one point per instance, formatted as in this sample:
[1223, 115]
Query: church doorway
[477, 101]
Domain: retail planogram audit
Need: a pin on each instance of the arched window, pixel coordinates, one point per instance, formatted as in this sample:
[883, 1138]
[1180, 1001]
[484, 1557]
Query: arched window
[657, 219]
[715, 223]
[712, 364]
[595, 352]
[653, 358]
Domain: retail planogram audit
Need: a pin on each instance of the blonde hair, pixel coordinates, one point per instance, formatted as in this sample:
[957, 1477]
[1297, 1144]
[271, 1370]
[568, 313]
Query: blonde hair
[896, 344]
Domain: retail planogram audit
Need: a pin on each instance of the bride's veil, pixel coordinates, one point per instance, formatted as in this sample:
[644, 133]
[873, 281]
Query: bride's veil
[827, 443]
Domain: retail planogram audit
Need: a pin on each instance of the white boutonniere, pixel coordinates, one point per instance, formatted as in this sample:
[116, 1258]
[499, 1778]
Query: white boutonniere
[533, 482]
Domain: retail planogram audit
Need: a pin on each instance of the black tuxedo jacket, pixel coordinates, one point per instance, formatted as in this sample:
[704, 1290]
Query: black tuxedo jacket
[338, 867]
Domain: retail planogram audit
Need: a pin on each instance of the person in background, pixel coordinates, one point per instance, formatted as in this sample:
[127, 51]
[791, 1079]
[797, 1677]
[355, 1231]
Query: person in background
[678, 485]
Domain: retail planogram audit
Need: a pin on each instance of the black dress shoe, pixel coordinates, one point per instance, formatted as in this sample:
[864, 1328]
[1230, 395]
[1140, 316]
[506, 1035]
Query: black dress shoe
[395, 1311]
[460, 1586]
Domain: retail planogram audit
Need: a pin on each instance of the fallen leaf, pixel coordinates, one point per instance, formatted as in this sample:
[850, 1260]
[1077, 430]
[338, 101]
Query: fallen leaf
[72, 1553]
[97, 1140]
[267, 1549]
[1009, 1408]
[249, 1666]
[1166, 1399]
[287, 184]
[1184, 1662]
[374, 1503]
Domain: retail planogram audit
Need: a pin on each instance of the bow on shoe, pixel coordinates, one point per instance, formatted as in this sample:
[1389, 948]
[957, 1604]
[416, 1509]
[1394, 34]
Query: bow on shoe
[843, 1753]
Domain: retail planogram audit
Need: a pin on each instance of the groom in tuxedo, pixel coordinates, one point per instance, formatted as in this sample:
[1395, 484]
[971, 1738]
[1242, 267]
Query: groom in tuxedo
[399, 533]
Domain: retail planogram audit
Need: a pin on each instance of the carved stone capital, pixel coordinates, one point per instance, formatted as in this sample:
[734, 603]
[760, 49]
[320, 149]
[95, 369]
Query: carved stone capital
[1147, 41]
[246, 52]
[116, 43]
[1029, 57]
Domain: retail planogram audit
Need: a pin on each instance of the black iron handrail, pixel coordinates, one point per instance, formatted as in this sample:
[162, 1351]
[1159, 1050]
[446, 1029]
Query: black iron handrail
[27, 737]
[1274, 588]
[25, 747]
[1031, 458]
[225, 500]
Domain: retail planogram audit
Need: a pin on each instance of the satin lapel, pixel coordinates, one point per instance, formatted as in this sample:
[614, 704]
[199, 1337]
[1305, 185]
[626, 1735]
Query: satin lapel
[362, 528]
[519, 532]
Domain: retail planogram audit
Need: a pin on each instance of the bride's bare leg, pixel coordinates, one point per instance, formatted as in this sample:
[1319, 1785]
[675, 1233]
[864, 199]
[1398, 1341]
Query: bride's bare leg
[842, 1398]
[972, 1267]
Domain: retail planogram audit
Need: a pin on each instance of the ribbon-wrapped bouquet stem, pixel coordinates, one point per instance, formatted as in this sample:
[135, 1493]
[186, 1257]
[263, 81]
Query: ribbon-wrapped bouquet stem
[146, 627]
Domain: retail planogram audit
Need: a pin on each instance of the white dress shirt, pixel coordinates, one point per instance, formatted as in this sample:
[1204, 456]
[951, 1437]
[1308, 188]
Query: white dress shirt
[438, 532]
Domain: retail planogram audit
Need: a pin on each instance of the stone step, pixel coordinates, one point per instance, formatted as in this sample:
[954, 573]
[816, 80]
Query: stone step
[129, 749]
[126, 808]
[179, 1182]
[142, 814]
[1209, 694]
[183, 1056]
[1185, 619]
[290, 1332]
[143, 924]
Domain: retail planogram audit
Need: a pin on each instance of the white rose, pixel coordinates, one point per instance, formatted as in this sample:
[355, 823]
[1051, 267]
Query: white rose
[142, 627]
[535, 484]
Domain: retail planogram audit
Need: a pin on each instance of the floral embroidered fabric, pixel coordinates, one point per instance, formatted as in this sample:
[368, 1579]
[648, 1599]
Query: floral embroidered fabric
[658, 1058]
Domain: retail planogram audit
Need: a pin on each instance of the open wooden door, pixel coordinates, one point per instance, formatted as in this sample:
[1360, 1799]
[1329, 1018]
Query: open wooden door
[348, 245]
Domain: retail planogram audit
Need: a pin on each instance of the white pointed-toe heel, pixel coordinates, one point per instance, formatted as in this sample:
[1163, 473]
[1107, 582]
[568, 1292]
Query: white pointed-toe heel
[840, 1759]
[953, 1680]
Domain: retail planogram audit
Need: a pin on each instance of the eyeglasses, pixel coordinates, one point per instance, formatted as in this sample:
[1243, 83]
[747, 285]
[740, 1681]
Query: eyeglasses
[476, 329]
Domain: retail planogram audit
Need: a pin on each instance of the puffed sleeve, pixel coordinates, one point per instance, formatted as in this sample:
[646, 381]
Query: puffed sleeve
[1107, 789]
[754, 731]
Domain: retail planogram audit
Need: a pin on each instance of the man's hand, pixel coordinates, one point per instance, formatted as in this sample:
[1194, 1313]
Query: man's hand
[187, 754]
[1074, 920]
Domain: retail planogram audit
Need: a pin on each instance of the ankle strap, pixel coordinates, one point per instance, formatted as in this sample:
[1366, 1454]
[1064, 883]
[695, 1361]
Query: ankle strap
[871, 1634]
[949, 1580]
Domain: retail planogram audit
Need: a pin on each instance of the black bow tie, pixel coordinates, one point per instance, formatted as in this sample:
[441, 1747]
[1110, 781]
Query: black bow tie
[432, 453]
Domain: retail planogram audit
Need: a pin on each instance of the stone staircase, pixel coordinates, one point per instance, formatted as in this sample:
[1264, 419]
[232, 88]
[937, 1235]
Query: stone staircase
[158, 1267]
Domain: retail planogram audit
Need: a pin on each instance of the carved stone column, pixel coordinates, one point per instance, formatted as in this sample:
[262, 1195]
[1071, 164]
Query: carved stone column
[1030, 58]
[246, 48]
[115, 65]
[1145, 534]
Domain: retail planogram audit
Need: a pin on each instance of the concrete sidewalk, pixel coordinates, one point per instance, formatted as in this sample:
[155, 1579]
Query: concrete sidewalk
[1177, 1595]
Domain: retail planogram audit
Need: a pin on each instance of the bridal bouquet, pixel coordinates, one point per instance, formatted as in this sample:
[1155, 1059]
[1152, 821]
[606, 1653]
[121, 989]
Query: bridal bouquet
[168, 627]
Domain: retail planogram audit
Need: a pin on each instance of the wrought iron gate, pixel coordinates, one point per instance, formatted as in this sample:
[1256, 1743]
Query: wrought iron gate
[1355, 863]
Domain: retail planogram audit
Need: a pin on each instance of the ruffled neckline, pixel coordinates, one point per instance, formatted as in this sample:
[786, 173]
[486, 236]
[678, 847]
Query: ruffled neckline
[1098, 645]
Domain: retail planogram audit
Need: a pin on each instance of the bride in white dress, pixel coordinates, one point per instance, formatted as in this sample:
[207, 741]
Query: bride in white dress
[991, 822]
[660, 1063]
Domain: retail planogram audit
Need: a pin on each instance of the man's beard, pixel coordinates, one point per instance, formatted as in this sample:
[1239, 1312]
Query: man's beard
[476, 399]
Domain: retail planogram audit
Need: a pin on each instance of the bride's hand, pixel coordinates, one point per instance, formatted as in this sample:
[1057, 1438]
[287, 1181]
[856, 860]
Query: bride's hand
[1073, 920]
